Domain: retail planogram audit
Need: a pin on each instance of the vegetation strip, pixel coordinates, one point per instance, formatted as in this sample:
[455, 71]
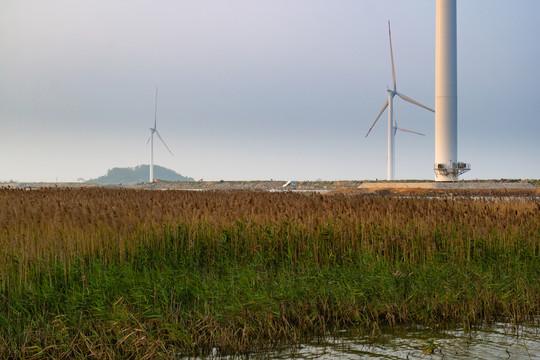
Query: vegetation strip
[137, 274]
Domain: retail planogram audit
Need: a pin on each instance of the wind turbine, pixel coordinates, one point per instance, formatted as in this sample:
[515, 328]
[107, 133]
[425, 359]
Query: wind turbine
[151, 141]
[392, 124]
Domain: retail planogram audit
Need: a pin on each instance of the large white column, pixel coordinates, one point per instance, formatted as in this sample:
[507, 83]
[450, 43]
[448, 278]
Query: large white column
[446, 91]
[391, 143]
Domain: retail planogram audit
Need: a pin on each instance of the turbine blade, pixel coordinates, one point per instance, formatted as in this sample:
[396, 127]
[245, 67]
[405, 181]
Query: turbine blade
[406, 98]
[378, 116]
[395, 123]
[148, 139]
[392, 56]
[413, 132]
[160, 138]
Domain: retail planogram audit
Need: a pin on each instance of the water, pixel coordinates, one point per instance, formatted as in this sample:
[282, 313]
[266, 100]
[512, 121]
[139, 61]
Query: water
[498, 341]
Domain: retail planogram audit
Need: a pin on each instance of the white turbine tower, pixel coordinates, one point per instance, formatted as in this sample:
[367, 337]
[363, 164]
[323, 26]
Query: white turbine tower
[392, 124]
[447, 167]
[151, 141]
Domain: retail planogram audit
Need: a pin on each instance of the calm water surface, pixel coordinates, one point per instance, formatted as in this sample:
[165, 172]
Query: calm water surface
[498, 341]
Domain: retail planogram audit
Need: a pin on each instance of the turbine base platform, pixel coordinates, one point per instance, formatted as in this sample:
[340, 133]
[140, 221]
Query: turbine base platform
[465, 185]
[450, 171]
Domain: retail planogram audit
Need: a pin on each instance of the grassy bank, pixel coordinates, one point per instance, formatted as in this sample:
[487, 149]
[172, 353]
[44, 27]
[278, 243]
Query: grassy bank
[123, 273]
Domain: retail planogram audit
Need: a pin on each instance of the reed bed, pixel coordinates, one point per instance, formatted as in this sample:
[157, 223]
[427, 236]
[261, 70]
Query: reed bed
[117, 273]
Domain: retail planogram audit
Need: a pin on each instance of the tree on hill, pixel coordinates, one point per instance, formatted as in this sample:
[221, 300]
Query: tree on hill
[138, 174]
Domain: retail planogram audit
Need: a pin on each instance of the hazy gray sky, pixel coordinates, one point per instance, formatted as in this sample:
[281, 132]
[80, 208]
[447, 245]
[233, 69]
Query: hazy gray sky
[259, 89]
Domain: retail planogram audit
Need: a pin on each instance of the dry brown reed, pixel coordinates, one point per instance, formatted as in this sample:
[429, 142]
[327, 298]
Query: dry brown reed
[55, 225]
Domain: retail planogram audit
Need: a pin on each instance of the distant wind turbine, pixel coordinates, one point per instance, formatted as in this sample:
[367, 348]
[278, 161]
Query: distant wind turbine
[151, 141]
[392, 124]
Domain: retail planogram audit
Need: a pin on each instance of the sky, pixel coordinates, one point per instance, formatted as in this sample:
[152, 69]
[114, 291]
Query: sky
[260, 89]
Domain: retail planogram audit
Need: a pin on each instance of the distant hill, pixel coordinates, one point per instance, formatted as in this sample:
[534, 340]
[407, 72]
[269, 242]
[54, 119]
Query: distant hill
[138, 174]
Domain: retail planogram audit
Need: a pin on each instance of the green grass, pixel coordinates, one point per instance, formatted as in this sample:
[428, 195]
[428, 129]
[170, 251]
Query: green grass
[164, 300]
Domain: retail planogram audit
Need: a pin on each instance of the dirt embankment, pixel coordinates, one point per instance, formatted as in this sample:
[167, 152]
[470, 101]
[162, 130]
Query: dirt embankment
[350, 187]
[534, 192]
